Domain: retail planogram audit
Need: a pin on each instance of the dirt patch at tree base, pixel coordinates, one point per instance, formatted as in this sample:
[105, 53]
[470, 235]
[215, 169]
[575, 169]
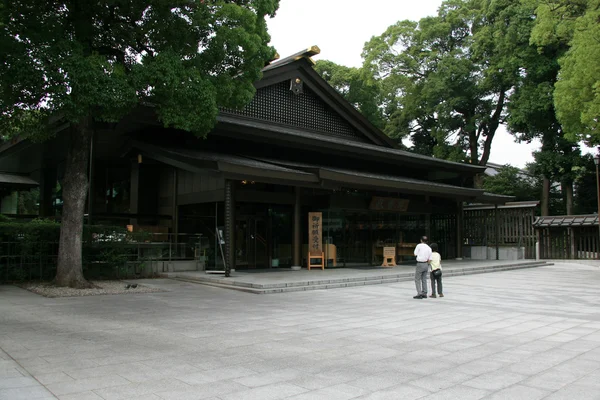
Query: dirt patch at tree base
[47, 289]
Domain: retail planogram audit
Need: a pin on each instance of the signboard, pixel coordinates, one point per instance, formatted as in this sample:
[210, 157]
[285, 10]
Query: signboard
[389, 257]
[315, 233]
[389, 252]
[388, 204]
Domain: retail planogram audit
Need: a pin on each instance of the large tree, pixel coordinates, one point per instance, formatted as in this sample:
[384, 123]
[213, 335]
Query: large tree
[357, 87]
[574, 23]
[94, 61]
[532, 112]
[447, 78]
[511, 181]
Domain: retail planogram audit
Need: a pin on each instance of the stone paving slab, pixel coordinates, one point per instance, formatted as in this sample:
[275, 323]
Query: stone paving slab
[521, 334]
[16, 383]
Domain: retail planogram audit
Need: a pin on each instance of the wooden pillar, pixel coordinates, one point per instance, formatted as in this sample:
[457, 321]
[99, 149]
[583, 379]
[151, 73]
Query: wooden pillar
[48, 178]
[459, 228]
[572, 246]
[428, 221]
[91, 181]
[229, 227]
[369, 248]
[497, 223]
[297, 233]
[134, 192]
[538, 245]
[174, 210]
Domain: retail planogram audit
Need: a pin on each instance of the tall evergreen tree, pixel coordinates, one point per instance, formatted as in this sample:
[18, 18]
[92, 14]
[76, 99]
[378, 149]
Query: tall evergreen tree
[95, 61]
[447, 78]
[574, 23]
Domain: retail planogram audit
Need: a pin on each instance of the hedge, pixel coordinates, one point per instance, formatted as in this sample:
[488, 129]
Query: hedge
[29, 250]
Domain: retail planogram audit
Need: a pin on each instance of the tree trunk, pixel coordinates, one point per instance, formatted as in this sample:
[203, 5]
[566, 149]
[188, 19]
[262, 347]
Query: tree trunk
[545, 197]
[568, 190]
[69, 270]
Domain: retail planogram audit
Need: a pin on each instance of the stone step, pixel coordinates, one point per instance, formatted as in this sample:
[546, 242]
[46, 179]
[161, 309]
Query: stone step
[405, 276]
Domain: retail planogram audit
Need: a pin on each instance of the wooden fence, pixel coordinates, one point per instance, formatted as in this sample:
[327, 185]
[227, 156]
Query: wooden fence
[443, 232]
[511, 227]
[576, 243]
[514, 229]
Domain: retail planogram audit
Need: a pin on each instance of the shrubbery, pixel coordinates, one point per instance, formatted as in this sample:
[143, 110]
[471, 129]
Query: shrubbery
[28, 250]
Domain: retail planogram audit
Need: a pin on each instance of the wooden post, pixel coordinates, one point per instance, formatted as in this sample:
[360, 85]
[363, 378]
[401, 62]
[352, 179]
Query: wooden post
[572, 242]
[370, 248]
[297, 233]
[91, 183]
[428, 219]
[174, 210]
[48, 177]
[538, 245]
[229, 227]
[497, 218]
[459, 228]
[134, 190]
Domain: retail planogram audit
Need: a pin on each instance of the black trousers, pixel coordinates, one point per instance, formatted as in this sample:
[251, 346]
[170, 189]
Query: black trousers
[439, 283]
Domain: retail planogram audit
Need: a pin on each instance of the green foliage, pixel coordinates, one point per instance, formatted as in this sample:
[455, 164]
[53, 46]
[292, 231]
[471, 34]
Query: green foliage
[446, 79]
[78, 62]
[357, 87]
[574, 24]
[29, 249]
[558, 159]
[29, 202]
[73, 60]
[585, 187]
[511, 181]
[38, 230]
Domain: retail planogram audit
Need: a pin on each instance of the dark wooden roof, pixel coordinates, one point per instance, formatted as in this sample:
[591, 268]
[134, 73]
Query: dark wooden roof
[231, 165]
[306, 174]
[14, 181]
[508, 205]
[263, 131]
[566, 221]
[368, 139]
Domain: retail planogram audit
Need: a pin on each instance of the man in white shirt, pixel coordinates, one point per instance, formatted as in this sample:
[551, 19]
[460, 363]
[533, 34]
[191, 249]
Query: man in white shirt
[423, 254]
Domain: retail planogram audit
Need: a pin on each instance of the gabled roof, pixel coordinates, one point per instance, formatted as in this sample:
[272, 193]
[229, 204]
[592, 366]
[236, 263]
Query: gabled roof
[300, 65]
[372, 141]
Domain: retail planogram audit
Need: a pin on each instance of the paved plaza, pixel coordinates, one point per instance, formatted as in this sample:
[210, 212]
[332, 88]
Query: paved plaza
[523, 334]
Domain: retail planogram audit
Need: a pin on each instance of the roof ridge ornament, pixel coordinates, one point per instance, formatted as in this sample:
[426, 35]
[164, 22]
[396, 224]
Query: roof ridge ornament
[306, 53]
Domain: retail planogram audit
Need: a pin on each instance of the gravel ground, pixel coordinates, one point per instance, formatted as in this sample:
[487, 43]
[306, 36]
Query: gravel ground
[101, 287]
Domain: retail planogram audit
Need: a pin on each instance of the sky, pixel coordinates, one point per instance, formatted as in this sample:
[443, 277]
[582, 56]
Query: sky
[340, 28]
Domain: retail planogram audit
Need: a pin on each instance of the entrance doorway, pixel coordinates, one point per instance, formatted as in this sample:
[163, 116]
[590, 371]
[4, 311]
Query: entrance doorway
[252, 246]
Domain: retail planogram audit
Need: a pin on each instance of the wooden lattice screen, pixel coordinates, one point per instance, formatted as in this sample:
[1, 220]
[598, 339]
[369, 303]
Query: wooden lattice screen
[443, 232]
[515, 228]
[569, 243]
[277, 103]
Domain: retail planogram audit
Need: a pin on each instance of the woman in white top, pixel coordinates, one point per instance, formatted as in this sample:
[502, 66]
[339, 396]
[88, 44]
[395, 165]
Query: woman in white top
[435, 261]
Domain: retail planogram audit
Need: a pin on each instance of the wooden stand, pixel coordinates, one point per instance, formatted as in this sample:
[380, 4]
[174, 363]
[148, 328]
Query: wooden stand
[317, 256]
[389, 257]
